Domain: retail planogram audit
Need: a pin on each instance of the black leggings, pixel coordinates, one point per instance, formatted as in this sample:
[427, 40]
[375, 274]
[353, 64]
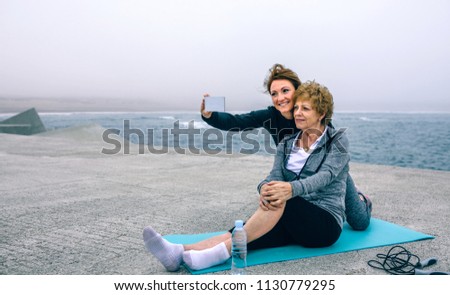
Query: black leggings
[302, 223]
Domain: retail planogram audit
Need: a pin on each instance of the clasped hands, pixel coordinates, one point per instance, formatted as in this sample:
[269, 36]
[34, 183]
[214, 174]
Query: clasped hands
[274, 195]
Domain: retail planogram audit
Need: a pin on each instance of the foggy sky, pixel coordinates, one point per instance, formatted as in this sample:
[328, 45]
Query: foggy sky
[377, 55]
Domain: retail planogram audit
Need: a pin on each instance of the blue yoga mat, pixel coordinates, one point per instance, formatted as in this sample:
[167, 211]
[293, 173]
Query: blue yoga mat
[379, 233]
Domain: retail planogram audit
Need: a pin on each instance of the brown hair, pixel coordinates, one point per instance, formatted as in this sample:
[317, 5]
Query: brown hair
[279, 72]
[319, 96]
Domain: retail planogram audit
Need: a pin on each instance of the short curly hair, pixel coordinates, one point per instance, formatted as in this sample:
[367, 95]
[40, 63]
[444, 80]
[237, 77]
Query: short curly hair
[279, 72]
[320, 98]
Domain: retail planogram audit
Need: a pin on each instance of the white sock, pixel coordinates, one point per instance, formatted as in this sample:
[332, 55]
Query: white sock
[206, 258]
[169, 254]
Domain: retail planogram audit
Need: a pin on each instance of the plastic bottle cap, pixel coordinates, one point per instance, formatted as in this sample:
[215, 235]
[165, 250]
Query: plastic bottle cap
[238, 223]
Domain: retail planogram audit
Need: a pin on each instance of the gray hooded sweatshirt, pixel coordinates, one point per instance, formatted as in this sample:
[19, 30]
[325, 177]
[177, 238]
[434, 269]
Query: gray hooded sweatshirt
[322, 180]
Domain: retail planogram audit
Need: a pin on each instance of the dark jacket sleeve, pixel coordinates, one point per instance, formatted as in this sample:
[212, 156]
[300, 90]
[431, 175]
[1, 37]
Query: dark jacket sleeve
[239, 122]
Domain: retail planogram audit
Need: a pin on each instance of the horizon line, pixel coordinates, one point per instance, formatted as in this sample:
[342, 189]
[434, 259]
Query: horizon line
[197, 112]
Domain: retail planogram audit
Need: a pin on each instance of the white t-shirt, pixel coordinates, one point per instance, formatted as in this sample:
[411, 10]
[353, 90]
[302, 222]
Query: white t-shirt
[299, 156]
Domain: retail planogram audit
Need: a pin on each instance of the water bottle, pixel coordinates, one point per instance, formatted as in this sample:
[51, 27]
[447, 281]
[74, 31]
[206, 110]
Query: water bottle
[238, 249]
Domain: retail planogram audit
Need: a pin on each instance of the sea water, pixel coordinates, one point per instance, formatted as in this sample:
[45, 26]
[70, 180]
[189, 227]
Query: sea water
[417, 140]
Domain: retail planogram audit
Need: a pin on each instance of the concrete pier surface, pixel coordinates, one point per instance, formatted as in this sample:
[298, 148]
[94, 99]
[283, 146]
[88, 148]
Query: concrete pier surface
[66, 208]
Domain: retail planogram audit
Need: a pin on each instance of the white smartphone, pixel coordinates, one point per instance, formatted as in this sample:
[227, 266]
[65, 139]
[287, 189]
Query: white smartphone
[215, 104]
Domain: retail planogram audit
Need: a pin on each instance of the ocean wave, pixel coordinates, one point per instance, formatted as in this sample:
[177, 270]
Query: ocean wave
[60, 114]
[7, 115]
[167, 117]
[82, 113]
[367, 119]
[197, 124]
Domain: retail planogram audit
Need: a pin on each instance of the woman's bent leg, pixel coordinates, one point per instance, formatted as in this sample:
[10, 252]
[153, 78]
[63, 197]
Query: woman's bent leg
[309, 225]
[358, 209]
[259, 224]
[302, 223]
[262, 222]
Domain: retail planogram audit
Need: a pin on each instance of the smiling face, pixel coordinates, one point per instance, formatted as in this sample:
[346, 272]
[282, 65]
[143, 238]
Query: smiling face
[306, 117]
[281, 92]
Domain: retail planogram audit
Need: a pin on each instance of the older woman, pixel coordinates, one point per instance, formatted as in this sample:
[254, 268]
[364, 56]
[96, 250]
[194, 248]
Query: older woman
[302, 201]
[277, 119]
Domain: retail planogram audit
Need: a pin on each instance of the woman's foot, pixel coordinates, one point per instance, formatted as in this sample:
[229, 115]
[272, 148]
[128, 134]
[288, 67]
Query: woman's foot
[201, 259]
[366, 199]
[169, 254]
